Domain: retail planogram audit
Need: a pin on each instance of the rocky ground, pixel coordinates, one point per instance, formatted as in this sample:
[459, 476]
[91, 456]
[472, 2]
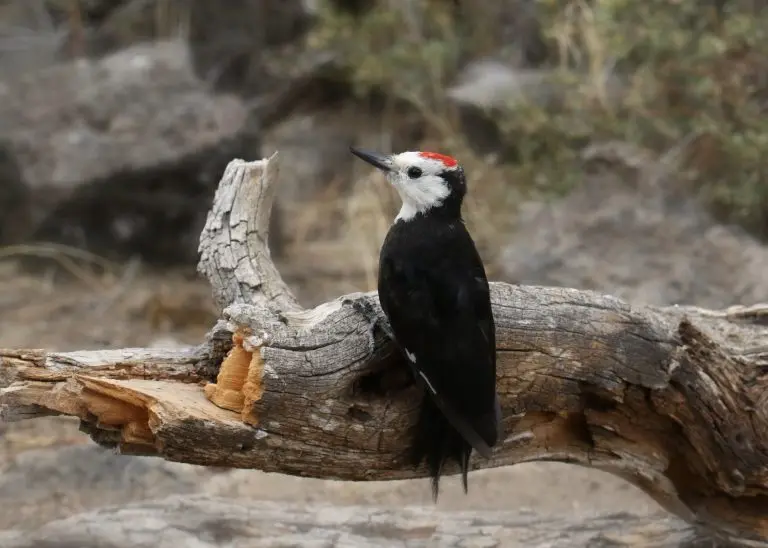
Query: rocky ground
[115, 159]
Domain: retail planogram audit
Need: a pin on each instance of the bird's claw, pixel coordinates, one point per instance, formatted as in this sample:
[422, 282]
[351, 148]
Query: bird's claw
[366, 309]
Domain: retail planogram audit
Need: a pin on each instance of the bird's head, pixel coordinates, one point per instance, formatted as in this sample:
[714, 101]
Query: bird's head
[427, 182]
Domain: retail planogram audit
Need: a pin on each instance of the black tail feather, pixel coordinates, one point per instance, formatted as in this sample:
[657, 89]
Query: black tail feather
[436, 441]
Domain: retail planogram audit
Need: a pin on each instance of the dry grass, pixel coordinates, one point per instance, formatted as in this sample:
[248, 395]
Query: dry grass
[335, 240]
[368, 214]
[100, 304]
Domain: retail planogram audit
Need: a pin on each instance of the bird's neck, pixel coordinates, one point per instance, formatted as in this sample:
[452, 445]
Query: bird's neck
[408, 212]
[446, 211]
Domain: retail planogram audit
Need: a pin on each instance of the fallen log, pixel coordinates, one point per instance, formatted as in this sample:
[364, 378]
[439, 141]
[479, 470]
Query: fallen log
[672, 399]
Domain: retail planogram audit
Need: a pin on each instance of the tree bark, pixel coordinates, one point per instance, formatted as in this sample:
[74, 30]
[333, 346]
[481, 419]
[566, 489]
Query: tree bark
[672, 399]
[212, 521]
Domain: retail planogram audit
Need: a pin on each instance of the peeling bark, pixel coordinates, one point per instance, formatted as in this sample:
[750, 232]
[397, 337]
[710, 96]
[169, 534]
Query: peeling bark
[672, 399]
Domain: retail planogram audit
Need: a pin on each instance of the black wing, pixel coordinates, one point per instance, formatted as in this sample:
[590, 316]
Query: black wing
[437, 300]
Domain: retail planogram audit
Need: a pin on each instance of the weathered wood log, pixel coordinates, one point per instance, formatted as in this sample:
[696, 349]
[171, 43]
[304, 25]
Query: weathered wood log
[672, 399]
[213, 521]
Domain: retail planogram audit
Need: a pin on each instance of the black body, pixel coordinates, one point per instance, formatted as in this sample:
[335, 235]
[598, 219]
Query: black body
[434, 291]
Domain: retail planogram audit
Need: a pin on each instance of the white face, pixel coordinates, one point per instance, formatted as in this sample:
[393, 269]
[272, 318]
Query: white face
[415, 177]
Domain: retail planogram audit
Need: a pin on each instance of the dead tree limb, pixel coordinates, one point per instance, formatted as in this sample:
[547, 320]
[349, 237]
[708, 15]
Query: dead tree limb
[672, 399]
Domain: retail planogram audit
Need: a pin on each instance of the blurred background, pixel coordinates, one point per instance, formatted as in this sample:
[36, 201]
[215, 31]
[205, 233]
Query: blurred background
[609, 144]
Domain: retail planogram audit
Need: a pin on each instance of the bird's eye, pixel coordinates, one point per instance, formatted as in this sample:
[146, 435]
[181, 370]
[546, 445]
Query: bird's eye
[414, 172]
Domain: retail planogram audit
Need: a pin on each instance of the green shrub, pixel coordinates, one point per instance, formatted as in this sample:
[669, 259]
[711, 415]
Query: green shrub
[687, 73]
[692, 73]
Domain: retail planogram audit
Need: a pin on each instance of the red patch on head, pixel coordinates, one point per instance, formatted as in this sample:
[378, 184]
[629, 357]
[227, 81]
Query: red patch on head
[447, 161]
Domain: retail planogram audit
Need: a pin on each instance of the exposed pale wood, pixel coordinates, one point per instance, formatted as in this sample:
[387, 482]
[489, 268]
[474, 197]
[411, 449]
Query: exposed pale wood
[206, 522]
[234, 254]
[672, 399]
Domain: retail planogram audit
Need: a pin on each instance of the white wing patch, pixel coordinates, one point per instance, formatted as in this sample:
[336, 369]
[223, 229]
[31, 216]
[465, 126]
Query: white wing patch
[429, 384]
[412, 357]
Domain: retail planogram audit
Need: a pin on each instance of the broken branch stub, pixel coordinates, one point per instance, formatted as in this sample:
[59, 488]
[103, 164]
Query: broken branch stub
[672, 399]
[234, 255]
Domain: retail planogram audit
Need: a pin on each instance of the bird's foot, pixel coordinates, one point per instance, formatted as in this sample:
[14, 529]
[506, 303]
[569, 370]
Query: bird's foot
[367, 310]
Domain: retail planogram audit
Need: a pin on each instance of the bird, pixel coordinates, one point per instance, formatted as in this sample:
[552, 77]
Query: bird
[434, 292]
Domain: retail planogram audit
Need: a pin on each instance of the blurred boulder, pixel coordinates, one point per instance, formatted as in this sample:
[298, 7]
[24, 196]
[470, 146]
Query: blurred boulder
[644, 239]
[491, 83]
[314, 141]
[208, 522]
[155, 213]
[84, 120]
[514, 26]
[230, 40]
[226, 37]
[122, 155]
[487, 91]
[44, 484]
[355, 8]
[484, 88]
[30, 38]
[14, 197]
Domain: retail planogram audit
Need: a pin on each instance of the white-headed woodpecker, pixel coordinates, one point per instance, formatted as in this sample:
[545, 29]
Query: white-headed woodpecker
[434, 292]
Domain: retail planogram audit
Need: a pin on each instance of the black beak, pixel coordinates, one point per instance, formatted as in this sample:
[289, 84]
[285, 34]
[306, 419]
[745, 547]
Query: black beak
[376, 160]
